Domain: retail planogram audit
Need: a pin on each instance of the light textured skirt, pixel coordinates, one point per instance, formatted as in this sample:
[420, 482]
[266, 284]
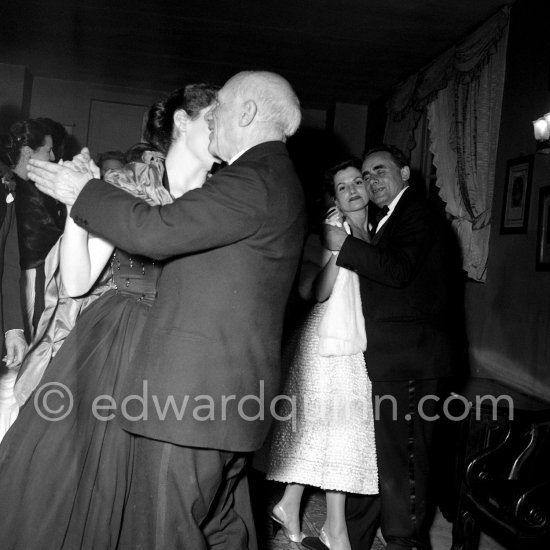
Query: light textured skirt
[328, 439]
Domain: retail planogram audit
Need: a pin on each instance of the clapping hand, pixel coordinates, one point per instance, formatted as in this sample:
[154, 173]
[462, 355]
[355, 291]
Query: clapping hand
[63, 181]
[83, 163]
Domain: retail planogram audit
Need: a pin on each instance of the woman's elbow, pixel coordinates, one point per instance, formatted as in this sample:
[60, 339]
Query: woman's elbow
[75, 289]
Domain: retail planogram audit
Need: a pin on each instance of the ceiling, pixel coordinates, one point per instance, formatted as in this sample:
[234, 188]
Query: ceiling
[350, 51]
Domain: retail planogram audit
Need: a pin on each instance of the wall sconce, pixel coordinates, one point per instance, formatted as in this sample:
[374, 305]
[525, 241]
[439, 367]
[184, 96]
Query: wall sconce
[541, 128]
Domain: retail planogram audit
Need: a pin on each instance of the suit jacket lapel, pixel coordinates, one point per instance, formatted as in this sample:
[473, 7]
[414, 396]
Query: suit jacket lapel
[403, 201]
[380, 232]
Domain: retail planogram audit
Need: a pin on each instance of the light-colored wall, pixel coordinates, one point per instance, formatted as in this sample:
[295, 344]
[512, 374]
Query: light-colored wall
[509, 316]
[70, 103]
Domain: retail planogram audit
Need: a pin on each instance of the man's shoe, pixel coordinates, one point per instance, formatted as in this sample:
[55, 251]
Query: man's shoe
[314, 543]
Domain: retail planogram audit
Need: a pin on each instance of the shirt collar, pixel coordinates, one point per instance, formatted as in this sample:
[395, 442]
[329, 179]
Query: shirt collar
[394, 202]
[391, 208]
[239, 154]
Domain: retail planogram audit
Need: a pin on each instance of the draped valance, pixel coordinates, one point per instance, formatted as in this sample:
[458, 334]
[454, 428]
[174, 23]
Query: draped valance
[461, 94]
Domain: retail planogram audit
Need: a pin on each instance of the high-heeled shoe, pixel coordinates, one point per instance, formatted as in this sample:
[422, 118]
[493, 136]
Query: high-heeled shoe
[279, 519]
[323, 537]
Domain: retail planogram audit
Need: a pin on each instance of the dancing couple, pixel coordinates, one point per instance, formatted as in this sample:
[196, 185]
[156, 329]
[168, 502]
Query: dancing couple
[199, 268]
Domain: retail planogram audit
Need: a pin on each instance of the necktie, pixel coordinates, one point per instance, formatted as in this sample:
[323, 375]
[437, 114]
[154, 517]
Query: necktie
[381, 213]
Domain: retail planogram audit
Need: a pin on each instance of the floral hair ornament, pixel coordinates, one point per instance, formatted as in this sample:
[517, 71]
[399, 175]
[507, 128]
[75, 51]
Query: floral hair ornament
[9, 183]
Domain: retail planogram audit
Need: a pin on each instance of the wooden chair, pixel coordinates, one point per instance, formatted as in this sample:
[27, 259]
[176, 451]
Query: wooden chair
[506, 488]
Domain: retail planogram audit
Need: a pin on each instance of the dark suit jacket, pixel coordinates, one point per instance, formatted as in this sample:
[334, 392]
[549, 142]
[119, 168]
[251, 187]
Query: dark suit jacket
[405, 281]
[214, 333]
[10, 306]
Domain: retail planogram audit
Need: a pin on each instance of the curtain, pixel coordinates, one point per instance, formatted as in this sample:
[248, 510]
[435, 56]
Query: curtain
[464, 122]
[462, 93]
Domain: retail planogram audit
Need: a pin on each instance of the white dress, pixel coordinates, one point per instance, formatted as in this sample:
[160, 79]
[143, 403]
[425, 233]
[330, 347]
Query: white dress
[329, 440]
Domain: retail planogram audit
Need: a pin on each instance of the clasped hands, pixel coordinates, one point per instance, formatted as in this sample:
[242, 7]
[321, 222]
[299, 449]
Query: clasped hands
[63, 181]
[334, 233]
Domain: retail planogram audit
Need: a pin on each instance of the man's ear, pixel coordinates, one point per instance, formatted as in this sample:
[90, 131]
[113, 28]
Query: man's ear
[248, 113]
[26, 151]
[405, 173]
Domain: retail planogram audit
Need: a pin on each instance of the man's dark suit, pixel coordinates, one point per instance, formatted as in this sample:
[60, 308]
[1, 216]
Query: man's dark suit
[11, 316]
[214, 333]
[404, 281]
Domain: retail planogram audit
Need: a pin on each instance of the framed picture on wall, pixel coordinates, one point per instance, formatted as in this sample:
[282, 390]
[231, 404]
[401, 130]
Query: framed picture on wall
[517, 193]
[543, 231]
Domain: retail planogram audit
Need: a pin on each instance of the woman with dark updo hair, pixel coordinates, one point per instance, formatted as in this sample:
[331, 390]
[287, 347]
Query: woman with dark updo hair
[64, 483]
[159, 126]
[40, 218]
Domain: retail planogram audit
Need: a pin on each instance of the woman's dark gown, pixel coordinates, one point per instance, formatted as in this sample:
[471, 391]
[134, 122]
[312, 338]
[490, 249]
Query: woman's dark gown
[63, 482]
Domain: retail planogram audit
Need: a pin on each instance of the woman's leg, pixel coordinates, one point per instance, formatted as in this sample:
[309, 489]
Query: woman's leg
[335, 524]
[288, 508]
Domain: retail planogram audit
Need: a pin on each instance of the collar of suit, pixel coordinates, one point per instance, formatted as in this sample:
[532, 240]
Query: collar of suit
[386, 211]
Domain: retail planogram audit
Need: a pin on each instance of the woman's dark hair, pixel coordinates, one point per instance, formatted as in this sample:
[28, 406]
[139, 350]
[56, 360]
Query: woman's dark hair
[352, 162]
[59, 135]
[160, 120]
[23, 133]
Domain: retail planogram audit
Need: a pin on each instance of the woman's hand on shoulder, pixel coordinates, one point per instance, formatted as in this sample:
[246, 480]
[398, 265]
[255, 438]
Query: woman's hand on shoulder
[334, 217]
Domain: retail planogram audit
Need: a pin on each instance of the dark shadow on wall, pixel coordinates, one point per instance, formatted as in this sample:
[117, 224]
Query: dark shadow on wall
[8, 115]
[313, 151]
